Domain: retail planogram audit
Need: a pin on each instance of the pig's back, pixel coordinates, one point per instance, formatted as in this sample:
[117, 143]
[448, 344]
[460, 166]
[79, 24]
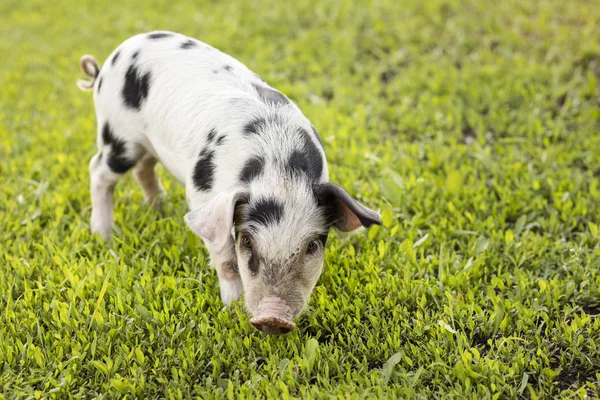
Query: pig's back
[169, 91]
[187, 102]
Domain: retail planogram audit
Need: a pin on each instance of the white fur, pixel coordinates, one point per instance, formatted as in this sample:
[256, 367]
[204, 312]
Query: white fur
[191, 92]
[187, 99]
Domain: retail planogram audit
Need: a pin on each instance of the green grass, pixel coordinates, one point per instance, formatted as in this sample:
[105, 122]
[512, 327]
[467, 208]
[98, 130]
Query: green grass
[473, 128]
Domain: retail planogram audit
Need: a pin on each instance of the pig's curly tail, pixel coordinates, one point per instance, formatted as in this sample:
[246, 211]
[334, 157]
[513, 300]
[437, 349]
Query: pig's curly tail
[89, 66]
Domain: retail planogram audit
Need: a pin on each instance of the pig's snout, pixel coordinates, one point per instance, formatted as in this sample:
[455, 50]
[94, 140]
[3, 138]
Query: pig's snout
[273, 317]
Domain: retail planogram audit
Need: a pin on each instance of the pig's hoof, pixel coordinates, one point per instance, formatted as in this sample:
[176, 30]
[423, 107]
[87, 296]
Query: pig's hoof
[230, 290]
[105, 236]
[155, 203]
[104, 231]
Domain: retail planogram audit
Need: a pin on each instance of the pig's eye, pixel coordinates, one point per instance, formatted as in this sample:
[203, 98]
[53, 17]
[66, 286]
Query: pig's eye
[313, 247]
[245, 242]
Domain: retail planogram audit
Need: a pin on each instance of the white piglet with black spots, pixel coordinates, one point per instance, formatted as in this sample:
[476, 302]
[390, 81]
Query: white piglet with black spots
[253, 166]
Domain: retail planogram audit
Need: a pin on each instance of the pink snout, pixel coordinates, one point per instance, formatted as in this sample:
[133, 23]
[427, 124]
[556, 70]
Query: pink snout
[273, 317]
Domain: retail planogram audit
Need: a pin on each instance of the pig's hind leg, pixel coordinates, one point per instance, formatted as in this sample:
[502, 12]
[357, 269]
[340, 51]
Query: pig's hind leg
[145, 174]
[115, 157]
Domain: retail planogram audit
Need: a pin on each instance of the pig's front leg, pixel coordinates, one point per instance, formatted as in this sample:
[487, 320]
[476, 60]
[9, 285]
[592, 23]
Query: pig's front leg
[230, 282]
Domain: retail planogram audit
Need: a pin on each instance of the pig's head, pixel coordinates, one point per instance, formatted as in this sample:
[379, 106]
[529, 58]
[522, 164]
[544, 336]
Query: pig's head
[279, 232]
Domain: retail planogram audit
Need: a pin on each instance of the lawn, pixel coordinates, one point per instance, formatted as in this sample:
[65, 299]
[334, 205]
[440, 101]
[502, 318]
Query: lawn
[474, 128]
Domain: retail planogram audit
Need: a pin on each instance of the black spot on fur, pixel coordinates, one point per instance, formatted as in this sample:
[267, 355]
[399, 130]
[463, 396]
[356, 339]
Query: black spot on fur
[220, 140]
[136, 87]
[117, 160]
[298, 163]
[253, 168]
[253, 264]
[159, 35]
[212, 135]
[188, 44]
[135, 54]
[253, 127]
[204, 170]
[115, 57]
[308, 160]
[107, 135]
[317, 134]
[270, 96]
[99, 85]
[265, 212]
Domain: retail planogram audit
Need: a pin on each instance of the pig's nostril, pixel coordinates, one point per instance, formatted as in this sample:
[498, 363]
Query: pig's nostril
[285, 329]
[273, 330]
[273, 326]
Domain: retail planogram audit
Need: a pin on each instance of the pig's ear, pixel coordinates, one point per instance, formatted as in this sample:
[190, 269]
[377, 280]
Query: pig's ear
[343, 211]
[213, 221]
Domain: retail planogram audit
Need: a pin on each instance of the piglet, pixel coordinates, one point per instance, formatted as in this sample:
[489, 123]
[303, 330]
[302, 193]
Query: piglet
[252, 164]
